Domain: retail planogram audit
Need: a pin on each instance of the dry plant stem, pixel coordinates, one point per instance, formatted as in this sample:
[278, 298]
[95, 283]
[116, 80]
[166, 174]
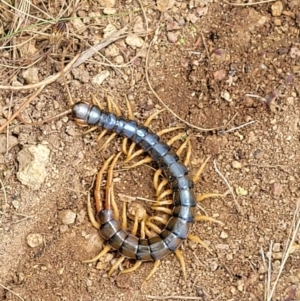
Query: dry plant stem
[25, 103]
[91, 51]
[248, 4]
[45, 82]
[173, 297]
[4, 192]
[6, 288]
[228, 185]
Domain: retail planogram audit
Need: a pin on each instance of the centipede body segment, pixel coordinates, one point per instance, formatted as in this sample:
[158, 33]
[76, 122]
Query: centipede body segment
[183, 215]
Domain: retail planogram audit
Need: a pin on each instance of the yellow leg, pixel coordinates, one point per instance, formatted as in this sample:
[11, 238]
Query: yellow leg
[113, 202]
[182, 262]
[200, 170]
[205, 218]
[161, 185]
[97, 190]
[116, 265]
[199, 241]
[208, 195]
[157, 219]
[105, 250]
[133, 268]
[164, 194]
[162, 209]
[152, 226]
[91, 215]
[155, 266]
[124, 217]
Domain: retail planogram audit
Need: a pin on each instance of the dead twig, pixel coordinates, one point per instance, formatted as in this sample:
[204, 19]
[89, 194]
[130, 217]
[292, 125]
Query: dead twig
[236, 128]
[228, 185]
[173, 297]
[4, 192]
[248, 4]
[22, 107]
[6, 288]
[45, 82]
[119, 34]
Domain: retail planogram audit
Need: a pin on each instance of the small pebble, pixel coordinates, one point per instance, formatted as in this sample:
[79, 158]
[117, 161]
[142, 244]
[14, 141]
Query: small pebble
[276, 247]
[68, 217]
[223, 235]
[236, 164]
[134, 41]
[277, 256]
[276, 9]
[100, 78]
[172, 37]
[34, 240]
[213, 266]
[109, 11]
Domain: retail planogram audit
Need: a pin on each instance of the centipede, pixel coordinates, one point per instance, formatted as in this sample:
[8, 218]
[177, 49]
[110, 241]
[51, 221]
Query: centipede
[184, 200]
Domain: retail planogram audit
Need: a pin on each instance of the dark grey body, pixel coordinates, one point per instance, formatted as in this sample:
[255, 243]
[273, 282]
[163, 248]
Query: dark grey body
[178, 226]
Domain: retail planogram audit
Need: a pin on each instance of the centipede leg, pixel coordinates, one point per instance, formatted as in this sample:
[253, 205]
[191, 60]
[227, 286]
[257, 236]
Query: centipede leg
[116, 265]
[148, 159]
[111, 107]
[153, 270]
[182, 262]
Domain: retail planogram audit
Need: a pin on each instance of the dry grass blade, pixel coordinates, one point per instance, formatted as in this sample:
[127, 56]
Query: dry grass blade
[291, 240]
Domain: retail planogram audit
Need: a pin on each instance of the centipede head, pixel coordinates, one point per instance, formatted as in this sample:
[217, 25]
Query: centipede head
[81, 111]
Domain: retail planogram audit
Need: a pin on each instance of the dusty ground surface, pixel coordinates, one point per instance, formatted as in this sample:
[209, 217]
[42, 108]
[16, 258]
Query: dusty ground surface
[204, 60]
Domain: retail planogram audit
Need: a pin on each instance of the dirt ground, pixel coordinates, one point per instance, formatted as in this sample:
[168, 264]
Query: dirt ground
[230, 72]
